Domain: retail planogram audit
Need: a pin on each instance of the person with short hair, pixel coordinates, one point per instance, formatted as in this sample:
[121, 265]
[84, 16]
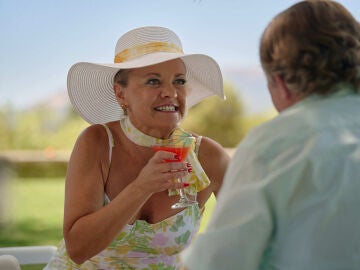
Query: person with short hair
[291, 194]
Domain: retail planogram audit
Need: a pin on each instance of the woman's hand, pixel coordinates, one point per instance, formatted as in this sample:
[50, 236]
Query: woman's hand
[159, 175]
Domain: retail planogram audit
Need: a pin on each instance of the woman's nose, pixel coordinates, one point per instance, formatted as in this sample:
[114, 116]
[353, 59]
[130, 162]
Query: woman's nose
[169, 90]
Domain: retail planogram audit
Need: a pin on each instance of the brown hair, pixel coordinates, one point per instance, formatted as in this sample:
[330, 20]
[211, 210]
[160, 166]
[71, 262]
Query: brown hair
[314, 45]
[122, 76]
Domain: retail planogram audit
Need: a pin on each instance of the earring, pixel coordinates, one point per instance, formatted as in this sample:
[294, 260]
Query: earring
[124, 108]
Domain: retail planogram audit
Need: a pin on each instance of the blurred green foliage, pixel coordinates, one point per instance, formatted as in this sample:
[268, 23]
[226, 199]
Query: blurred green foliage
[39, 128]
[29, 169]
[43, 127]
[218, 119]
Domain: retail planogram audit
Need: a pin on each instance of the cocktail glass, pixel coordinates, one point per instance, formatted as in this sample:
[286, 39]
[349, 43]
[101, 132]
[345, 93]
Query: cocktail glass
[179, 145]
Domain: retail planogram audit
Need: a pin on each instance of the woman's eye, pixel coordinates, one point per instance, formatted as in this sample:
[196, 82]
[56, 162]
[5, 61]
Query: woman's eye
[180, 81]
[153, 82]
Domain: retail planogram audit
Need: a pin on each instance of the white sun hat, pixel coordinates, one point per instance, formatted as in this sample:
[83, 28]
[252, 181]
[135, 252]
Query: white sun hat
[90, 85]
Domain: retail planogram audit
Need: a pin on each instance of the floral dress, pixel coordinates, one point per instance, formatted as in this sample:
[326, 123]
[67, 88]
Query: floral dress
[141, 245]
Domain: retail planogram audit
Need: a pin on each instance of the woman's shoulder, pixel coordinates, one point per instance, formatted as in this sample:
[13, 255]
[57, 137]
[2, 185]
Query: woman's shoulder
[92, 133]
[92, 139]
[210, 147]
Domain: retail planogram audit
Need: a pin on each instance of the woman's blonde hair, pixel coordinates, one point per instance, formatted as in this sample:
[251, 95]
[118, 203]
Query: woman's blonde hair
[313, 45]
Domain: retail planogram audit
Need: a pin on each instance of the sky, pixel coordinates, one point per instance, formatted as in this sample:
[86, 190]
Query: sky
[41, 39]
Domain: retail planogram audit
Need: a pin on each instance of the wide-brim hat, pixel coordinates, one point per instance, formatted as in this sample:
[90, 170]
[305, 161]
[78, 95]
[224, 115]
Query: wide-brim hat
[90, 85]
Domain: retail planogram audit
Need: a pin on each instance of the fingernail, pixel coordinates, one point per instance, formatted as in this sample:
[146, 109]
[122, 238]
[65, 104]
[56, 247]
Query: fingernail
[189, 170]
[188, 164]
[186, 184]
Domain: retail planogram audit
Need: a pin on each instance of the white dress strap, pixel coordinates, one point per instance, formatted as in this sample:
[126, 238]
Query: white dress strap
[111, 141]
[111, 145]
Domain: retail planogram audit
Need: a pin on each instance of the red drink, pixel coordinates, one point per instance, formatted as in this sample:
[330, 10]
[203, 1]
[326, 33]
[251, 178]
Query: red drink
[180, 147]
[181, 151]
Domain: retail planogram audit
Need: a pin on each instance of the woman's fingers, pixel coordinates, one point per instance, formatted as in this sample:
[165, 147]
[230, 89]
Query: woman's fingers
[163, 156]
[162, 172]
[168, 162]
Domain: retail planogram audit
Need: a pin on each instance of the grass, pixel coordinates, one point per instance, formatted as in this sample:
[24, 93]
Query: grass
[35, 208]
[35, 213]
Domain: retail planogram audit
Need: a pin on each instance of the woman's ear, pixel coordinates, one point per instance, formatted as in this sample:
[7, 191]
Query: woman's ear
[119, 92]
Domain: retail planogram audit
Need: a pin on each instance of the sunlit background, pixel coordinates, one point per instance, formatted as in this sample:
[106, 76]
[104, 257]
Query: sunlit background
[41, 39]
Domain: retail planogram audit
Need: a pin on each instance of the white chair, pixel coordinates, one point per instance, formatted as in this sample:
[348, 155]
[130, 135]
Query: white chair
[30, 254]
[9, 262]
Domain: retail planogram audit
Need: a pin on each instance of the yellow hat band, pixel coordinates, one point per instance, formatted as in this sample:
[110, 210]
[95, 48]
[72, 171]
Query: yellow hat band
[147, 48]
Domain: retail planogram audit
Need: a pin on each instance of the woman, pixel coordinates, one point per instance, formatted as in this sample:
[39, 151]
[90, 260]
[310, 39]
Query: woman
[118, 211]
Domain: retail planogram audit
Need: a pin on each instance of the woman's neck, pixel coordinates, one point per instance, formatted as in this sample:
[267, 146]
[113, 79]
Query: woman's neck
[137, 136]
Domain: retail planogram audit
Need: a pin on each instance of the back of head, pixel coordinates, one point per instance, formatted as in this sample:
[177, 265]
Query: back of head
[314, 45]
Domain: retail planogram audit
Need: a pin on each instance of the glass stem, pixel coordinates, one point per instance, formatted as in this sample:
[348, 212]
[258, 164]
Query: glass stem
[183, 196]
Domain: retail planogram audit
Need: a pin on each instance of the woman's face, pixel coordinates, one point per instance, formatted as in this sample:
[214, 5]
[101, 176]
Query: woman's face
[155, 97]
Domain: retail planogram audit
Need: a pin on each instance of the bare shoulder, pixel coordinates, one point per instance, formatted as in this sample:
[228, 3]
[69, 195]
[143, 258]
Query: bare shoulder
[92, 142]
[92, 133]
[89, 159]
[93, 136]
[214, 159]
[210, 147]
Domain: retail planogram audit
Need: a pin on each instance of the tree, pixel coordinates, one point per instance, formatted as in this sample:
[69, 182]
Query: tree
[7, 125]
[218, 119]
[42, 127]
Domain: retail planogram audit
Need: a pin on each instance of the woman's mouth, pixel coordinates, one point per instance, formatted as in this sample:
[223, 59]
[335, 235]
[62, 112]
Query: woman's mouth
[167, 108]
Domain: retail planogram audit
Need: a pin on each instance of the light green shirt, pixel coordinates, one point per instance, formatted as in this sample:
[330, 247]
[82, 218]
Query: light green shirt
[291, 196]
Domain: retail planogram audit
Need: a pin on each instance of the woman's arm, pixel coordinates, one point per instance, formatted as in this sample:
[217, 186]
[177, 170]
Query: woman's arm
[89, 226]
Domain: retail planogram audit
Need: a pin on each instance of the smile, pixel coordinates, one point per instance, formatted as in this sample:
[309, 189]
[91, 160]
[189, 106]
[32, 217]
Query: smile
[167, 108]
